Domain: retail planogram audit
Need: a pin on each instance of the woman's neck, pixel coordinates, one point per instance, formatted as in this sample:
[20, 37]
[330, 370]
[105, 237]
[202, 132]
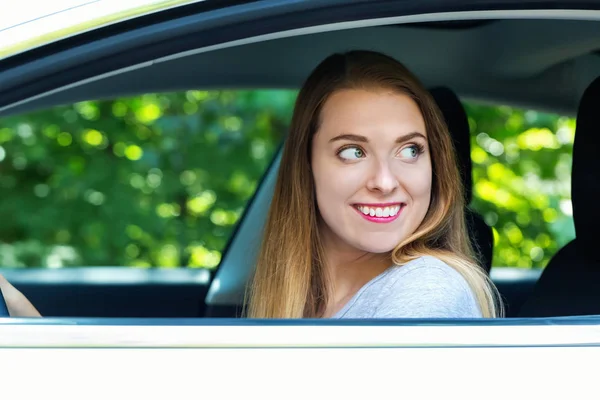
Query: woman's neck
[349, 270]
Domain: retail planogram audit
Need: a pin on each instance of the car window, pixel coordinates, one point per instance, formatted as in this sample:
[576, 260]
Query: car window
[522, 181]
[159, 179]
[162, 179]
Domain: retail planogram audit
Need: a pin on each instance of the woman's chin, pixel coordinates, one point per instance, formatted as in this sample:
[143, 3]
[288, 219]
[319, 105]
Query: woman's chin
[378, 247]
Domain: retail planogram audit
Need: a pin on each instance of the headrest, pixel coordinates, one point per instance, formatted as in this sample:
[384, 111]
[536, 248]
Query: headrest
[585, 180]
[458, 125]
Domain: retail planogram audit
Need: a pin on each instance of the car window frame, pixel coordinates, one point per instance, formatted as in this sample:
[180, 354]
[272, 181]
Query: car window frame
[210, 21]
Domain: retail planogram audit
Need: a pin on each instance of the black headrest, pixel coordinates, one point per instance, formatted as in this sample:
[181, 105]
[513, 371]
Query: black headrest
[585, 181]
[458, 125]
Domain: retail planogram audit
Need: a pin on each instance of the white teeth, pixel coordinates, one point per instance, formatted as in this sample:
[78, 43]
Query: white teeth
[379, 211]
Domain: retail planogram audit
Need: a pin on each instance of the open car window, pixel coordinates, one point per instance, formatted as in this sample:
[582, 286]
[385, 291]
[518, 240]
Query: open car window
[162, 181]
[522, 162]
[156, 180]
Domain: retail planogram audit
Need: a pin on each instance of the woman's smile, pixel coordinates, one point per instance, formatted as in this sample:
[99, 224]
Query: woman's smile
[380, 213]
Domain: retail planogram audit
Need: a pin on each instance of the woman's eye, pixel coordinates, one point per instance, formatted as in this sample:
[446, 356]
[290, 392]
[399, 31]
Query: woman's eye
[409, 152]
[351, 153]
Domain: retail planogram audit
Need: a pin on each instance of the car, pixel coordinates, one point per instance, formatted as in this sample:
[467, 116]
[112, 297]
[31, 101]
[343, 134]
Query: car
[107, 62]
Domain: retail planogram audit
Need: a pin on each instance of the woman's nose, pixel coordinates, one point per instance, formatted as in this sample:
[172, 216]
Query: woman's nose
[382, 179]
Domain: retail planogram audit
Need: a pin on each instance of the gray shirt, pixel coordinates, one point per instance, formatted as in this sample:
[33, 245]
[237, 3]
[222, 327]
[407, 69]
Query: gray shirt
[423, 288]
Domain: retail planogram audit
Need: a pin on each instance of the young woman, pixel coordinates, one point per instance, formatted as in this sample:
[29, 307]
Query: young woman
[367, 215]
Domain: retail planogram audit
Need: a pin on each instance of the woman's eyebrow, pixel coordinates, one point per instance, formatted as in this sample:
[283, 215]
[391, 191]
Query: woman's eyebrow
[410, 136]
[349, 136]
[359, 138]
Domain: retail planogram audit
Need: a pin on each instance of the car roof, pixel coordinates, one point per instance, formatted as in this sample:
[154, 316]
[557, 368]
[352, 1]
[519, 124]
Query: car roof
[541, 59]
[31, 24]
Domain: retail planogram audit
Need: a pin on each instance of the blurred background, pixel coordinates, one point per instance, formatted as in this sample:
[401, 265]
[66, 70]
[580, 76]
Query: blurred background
[161, 180]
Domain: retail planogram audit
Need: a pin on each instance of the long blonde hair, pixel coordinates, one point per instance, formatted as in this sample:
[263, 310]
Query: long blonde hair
[290, 280]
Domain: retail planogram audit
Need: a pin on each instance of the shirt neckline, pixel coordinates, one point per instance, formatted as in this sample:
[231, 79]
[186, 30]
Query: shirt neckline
[360, 291]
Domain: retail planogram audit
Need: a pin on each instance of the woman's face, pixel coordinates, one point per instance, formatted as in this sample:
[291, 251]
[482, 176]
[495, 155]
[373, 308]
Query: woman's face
[372, 169]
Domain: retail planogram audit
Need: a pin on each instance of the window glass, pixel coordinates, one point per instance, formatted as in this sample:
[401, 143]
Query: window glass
[161, 180]
[152, 180]
[522, 181]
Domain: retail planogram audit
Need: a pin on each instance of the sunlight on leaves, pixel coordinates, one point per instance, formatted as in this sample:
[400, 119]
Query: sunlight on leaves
[134, 232]
[88, 110]
[148, 113]
[197, 96]
[64, 139]
[168, 256]
[550, 215]
[93, 137]
[224, 217]
[536, 139]
[200, 204]
[239, 183]
[168, 210]
[119, 109]
[187, 177]
[478, 155]
[6, 134]
[204, 258]
[133, 152]
[232, 123]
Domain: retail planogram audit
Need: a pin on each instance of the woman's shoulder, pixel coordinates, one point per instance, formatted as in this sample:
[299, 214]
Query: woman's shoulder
[427, 287]
[427, 266]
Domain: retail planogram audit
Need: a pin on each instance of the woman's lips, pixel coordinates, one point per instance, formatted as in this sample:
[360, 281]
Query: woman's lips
[380, 213]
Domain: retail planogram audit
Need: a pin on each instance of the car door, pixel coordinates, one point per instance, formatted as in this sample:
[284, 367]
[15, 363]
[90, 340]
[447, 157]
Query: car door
[110, 58]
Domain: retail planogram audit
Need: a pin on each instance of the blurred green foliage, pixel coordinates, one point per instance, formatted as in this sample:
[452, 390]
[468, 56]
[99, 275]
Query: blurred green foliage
[161, 180]
[522, 181]
[155, 180]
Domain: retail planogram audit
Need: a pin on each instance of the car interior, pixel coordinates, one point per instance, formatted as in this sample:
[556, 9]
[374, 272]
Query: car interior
[549, 65]
[570, 284]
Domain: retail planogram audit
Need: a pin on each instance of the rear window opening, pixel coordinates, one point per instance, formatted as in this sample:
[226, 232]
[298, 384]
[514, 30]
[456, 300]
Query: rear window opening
[522, 181]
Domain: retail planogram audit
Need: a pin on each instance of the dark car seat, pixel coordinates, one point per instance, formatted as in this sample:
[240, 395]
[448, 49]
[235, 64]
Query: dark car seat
[570, 283]
[482, 237]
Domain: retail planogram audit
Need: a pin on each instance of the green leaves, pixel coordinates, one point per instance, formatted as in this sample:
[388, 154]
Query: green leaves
[522, 174]
[154, 180]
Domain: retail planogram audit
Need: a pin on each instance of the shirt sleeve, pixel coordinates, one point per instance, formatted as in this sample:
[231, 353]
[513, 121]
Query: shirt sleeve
[429, 291]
